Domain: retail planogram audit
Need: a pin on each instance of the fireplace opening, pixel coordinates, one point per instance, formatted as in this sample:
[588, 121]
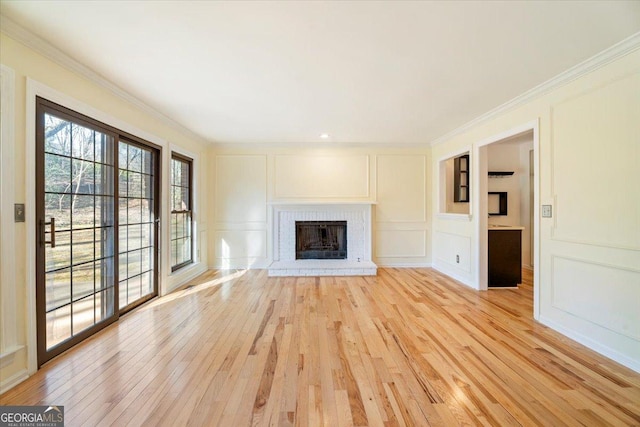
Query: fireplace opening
[321, 239]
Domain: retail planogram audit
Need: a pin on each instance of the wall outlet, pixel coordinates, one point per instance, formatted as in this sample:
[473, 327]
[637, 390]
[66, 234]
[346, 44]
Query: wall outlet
[457, 259]
[546, 211]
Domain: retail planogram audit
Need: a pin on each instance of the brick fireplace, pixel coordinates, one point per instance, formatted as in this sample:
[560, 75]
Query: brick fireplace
[356, 218]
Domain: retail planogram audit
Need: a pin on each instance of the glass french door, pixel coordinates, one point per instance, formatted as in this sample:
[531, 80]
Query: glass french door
[137, 224]
[96, 212]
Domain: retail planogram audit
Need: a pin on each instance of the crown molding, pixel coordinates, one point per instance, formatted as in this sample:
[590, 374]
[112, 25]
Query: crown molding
[46, 49]
[318, 145]
[601, 59]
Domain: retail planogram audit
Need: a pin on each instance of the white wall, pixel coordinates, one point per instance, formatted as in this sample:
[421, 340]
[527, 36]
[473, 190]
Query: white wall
[589, 151]
[247, 180]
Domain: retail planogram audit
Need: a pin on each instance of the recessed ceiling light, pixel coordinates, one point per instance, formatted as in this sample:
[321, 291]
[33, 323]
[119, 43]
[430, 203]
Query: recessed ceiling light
[325, 136]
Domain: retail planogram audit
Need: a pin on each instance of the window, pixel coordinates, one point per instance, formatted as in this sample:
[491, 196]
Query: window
[181, 212]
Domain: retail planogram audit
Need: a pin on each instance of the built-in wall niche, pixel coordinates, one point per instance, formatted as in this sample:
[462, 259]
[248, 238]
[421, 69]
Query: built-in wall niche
[497, 203]
[455, 184]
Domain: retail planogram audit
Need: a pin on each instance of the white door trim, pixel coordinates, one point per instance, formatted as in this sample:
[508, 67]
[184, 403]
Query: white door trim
[480, 209]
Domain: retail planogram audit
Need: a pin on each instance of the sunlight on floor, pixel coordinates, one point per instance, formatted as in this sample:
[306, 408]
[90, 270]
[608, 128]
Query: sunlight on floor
[226, 276]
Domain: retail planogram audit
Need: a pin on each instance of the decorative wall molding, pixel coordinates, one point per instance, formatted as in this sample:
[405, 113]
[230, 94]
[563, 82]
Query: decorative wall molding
[224, 184]
[599, 60]
[598, 282]
[422, 192]
[445, 259]
[8, 324]
[46, 49]
[285, 174]
[556, 169]
[420, 234]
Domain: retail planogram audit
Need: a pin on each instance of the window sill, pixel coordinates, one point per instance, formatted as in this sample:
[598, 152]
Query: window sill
[182, 267]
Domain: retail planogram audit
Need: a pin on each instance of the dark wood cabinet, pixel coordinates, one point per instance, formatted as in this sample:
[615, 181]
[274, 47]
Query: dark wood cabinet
[461, 179]
[505, 258]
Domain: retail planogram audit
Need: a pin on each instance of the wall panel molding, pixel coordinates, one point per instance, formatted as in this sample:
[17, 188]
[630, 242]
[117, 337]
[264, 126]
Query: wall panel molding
[241, 188]
[398, 201]
[598, 293]
[401, 243]
[241, 244]
[605, 112]
[322, 177]
[452, 245]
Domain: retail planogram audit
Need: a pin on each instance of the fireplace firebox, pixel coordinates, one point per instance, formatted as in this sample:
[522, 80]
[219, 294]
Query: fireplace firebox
[321, 239]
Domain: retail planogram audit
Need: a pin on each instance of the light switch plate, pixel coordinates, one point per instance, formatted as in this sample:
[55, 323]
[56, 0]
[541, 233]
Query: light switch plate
[546, 211]
[18, 212]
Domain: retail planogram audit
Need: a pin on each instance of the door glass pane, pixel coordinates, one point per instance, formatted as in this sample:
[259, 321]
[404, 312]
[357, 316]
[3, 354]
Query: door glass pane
[82, 211]
[60, 256]
[82, 281]
[104, 304]
[57, 136]
[83, 314]
[83, 246]
[77, 227]
[58, 173]
[58, 325]
[58, 289]
[137, 241]
[58, 206]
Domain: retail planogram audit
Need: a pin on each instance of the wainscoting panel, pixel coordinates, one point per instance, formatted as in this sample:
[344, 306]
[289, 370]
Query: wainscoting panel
[595, 159]
[401, 186]
[600, 294]
[248, 245]
[241, 188]
[454, 251]
[321, 177]
[401, 243]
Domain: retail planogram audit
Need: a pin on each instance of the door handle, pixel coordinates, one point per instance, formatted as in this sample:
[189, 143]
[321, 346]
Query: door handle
[51, 223]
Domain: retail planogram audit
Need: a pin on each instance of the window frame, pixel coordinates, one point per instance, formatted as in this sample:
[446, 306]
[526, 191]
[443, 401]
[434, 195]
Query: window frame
[189, 211]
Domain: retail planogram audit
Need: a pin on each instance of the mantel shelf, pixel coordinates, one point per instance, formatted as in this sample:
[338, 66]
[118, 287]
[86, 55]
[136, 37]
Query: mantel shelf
[322, 202]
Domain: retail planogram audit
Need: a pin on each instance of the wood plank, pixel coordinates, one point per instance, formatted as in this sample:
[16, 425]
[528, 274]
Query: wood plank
[406, 347]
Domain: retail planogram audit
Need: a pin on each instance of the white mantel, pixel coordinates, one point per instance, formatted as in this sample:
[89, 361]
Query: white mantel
[358, 218]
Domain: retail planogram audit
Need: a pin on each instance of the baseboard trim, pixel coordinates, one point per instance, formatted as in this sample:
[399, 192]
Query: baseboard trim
[453, 275]
[403, 264]
[593, 345]
[186, 276]
[13, 380]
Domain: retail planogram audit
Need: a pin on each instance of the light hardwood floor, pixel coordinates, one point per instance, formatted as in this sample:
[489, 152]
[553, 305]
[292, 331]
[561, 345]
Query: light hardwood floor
[408, 347]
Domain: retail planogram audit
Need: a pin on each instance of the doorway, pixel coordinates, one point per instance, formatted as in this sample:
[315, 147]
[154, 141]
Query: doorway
[96, 213]
[520, 147]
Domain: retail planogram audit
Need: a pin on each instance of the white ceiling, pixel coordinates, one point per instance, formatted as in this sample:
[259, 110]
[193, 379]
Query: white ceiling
[364, 72]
